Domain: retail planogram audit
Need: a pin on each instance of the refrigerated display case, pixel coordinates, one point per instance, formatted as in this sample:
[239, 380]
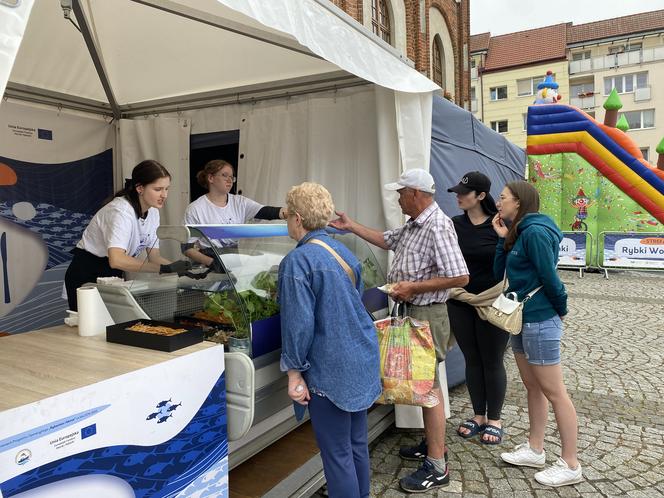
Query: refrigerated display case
[236, 305]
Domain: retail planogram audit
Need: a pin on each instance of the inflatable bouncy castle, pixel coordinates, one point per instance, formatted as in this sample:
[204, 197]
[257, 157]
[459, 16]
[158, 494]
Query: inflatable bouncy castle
[592, 179]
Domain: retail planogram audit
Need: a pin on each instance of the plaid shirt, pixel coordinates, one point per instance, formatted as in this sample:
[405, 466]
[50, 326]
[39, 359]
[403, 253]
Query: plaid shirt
[426, 248]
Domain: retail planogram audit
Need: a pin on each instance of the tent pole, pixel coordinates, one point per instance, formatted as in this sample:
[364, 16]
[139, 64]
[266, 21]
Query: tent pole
[96, 57]
[227, 25]
[28, 93]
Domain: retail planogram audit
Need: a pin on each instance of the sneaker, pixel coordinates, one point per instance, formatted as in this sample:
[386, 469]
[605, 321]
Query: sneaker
[424, 479]
[559, 474]
[524, 456]
[417, 453]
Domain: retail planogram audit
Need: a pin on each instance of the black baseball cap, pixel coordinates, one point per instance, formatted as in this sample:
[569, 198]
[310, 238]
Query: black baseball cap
[473, 181]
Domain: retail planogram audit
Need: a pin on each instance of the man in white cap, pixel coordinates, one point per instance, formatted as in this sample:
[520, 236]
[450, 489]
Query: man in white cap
[427, 262]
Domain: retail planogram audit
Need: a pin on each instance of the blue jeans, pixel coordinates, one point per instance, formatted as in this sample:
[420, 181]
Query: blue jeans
[342, 439]
[540, 341]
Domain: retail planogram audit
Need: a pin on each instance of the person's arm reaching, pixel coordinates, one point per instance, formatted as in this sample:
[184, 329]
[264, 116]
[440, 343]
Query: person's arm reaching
[371, 235]
[118, 259]
[271, 213]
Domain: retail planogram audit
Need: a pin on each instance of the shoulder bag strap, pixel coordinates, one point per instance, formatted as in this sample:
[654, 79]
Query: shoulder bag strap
[531, 294]
[339, 259]
[528, 296]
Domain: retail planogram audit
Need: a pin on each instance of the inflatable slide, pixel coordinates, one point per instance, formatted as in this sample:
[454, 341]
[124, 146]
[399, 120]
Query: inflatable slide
[592, 176]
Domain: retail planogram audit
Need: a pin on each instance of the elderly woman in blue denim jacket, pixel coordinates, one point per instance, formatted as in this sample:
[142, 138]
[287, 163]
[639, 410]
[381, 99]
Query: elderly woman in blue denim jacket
[329, 345]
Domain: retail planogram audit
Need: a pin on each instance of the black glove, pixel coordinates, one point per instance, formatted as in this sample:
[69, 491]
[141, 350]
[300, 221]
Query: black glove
[180, 267]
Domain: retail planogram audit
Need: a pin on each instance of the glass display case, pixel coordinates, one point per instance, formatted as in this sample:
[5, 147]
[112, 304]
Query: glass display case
[234, 300]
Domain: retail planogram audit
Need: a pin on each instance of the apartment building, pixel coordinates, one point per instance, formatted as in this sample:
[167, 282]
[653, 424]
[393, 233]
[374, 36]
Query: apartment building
[588, 61]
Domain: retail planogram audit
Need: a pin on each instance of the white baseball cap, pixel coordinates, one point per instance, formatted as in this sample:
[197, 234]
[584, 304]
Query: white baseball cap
[417, 178]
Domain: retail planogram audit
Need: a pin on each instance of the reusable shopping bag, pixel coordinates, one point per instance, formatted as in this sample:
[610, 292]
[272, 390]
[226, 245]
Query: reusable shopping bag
[407, 362]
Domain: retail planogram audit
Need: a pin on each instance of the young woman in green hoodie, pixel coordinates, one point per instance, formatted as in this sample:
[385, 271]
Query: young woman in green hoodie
[527, 253]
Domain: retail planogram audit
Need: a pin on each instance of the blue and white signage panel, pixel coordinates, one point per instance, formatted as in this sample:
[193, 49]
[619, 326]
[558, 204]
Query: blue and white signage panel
[573, 250]
[632, 250]
[156, 432]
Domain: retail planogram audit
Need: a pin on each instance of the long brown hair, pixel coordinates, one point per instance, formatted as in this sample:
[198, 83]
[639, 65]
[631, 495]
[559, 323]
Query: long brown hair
[144, 173]
[529, 202]
[211, 168]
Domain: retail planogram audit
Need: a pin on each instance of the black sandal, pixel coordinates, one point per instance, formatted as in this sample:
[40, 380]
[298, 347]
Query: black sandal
[472, 426]
[492, 430]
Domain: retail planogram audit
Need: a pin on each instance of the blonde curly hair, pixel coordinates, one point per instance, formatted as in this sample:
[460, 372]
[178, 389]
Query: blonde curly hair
[312, 202]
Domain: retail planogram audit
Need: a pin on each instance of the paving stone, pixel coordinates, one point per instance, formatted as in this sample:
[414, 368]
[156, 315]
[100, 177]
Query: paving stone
[614, 385]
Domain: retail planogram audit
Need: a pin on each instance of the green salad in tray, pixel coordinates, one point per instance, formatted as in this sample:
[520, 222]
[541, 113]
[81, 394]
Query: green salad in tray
[225, 307]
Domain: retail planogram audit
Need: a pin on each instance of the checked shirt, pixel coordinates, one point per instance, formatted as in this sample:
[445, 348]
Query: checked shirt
[424, 248]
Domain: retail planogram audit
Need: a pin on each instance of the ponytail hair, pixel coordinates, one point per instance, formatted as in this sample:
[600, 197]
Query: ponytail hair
[488, 205]
[529, 202]
[144, 173]
[211, 168]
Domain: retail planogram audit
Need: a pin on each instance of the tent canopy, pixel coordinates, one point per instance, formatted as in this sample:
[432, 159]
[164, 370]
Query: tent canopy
[469, 145]
[134, 55]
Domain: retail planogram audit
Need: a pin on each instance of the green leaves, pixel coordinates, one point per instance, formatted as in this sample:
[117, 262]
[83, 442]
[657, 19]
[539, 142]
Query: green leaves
[226, 304]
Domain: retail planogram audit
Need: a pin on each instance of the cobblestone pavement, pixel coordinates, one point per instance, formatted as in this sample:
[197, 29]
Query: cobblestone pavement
[613, 363]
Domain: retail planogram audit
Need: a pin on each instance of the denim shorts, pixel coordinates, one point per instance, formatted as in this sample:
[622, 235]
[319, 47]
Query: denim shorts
[540, 341]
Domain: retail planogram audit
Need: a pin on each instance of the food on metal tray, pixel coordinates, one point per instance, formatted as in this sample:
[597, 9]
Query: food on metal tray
[213, 332]
[206, 315]
[155, 329]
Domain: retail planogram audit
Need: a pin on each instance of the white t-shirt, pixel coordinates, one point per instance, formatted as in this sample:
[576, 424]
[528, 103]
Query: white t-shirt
[238, 209]
[116, 225]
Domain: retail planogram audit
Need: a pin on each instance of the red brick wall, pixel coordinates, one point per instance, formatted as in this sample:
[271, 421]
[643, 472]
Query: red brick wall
[352, 7]
[457, 17]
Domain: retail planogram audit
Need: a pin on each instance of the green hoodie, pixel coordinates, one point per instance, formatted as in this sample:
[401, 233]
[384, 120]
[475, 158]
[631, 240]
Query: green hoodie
[531, 263]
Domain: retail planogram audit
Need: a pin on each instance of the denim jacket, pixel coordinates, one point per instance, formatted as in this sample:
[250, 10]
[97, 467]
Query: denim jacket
[326, 332]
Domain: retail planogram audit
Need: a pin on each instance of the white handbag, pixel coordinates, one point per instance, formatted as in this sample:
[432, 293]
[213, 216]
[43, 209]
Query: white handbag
[506, 312]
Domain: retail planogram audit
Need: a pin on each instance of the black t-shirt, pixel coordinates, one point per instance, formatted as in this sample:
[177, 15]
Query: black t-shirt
[478, 246]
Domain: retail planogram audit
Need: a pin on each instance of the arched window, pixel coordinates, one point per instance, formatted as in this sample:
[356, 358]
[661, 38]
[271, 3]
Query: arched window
[437, 63]
[380, 19]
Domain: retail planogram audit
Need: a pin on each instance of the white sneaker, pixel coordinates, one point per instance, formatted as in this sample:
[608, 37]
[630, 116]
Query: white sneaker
[559, 474]
[524, 456]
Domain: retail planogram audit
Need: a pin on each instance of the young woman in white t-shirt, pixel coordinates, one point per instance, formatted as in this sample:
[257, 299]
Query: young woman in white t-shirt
[121, 230]
[220, 207]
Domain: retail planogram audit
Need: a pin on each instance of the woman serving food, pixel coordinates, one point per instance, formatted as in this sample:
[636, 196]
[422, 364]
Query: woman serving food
[121, 230]
[220, 207]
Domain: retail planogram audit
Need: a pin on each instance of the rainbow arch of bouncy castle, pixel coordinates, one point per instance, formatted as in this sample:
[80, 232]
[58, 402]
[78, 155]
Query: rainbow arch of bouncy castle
[590, 176]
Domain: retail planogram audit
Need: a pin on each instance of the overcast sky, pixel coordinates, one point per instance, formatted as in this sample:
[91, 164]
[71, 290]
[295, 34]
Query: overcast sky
[506, 16]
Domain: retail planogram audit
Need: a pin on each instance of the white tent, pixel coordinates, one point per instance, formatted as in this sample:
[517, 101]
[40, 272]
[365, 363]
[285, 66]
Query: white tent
[293, 75]
[314, 95]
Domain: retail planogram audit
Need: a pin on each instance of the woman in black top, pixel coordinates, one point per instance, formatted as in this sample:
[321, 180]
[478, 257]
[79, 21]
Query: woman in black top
[482, 344]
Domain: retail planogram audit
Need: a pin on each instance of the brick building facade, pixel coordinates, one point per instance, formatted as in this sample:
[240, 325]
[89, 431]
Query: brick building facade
[434, 34]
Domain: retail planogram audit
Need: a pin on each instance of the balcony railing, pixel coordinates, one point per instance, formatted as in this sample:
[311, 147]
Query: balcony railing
[617, 60]
[585, 102]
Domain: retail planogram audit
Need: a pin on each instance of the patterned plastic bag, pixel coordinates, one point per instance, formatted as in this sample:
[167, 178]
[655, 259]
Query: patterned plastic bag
[407, 362]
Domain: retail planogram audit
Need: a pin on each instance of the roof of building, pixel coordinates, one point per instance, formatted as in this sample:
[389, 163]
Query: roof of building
[618, 26]
[480, 42]
[527, 47]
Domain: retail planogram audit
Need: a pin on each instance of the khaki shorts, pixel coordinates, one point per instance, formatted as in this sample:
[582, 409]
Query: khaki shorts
[439, 323]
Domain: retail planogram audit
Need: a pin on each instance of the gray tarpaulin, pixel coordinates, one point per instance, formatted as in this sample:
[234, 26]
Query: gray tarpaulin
[461, 143]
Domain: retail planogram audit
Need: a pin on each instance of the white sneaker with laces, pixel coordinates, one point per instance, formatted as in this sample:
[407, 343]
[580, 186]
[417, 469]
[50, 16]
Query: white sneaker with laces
[559, 474]
[524, 456]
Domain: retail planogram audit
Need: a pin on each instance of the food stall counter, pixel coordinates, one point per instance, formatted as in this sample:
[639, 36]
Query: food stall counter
[80, 416]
